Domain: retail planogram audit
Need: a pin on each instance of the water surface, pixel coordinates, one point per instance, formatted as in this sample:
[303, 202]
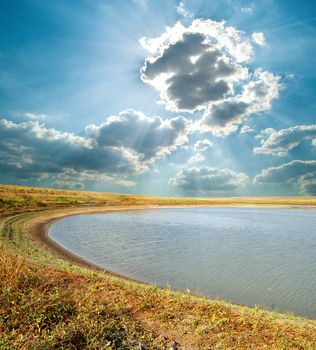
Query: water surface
[247, 256]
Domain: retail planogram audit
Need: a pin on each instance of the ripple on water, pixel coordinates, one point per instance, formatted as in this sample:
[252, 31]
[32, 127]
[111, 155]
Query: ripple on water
[248, 256]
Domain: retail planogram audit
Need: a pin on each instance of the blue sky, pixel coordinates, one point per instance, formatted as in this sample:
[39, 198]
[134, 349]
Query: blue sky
[182, 98]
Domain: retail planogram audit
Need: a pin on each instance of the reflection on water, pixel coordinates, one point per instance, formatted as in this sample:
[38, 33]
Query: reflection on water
[247, 256]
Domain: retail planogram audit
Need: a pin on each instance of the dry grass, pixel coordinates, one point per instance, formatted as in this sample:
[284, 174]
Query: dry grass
[46, 303]
[22, 197]
[57, 309]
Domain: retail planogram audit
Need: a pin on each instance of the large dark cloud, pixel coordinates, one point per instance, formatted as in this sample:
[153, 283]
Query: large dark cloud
[191, 73]
[279, 143]
[192, 84]
[299, 172]
[124, 145]
[202, 67]
[207, 180]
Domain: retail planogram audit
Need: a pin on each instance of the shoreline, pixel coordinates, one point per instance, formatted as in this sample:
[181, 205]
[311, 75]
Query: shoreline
[38, 230]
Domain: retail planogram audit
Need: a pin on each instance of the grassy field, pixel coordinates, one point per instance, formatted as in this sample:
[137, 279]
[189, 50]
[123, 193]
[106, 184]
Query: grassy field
[22, 197]
[49, 303]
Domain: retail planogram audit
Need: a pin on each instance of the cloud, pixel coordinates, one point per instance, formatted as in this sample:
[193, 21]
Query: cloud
[286, 172]
[35, 116]
[196, 158]
[68, 184]
[123, 146]
[150, 137]
[207, 180]
[195, 66]
[203, 145]
[257, 95]
[199, 147]
[183, 11]
[279, 143]
[246, 129]
[299, 172]
[73, 179]
[307, 184]
[29, 149]
[258, 38]
[224, 118]
[248, 9]
[202, 68]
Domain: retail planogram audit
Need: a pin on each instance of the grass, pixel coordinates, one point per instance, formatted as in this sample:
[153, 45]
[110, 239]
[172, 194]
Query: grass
[22, 197]
[49, 303]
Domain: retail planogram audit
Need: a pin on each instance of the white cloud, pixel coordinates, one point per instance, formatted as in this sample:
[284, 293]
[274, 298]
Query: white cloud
[246, 129]
[207, 180]
[279, 143]
[196, 158]
[35, 116]
[259, 38]
[202, 68]
[200, 147]
[183, 11]
[203, 145]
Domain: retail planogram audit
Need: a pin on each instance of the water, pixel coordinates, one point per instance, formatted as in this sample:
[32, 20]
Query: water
[248, 256]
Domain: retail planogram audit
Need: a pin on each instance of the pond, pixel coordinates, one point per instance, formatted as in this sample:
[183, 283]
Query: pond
[263, 257]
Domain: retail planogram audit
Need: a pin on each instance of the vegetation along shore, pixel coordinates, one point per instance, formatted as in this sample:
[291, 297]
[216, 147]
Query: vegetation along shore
[52, 300]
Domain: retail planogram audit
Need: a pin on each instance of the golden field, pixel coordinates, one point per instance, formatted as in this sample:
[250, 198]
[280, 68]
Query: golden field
[23, 197]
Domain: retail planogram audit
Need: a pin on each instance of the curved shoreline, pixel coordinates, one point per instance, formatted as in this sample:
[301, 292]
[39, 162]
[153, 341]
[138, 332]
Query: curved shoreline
[39, 226]
[38, 230]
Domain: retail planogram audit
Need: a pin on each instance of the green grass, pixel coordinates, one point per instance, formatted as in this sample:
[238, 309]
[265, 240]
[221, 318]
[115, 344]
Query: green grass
[49, 303]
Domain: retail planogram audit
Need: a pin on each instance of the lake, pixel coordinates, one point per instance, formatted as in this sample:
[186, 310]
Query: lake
[263, 257]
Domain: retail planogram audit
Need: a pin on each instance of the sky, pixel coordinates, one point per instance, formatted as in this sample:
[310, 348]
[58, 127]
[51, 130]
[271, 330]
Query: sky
[171, 98]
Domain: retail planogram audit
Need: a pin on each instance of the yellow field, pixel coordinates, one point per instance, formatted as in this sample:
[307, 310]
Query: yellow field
[22, 196]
